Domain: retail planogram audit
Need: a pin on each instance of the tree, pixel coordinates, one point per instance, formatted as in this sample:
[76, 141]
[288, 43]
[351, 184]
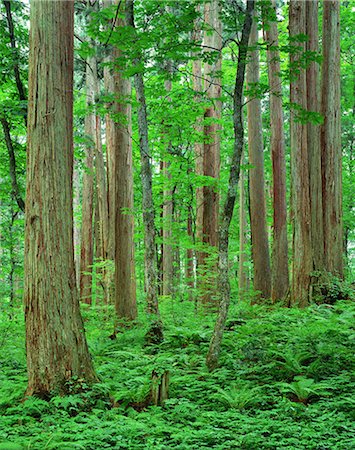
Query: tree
[211, 146]
[259, 236]
[56, 346]
[227, 213]
[86, 247]
[313, 137]
[279, 256]
[151, 285]
[331, 140]
[301, 220]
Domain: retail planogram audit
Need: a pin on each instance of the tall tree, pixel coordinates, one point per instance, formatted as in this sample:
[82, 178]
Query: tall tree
[279, 256]
[301, 221]
[331, 139]
[151, 285]
[87, 242]
[227, 213]
[56, 346]
[167, 265]
[313, 137]
[242, 271]
[258, 226]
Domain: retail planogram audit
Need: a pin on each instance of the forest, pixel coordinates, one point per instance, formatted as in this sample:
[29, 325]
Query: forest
[177, 224]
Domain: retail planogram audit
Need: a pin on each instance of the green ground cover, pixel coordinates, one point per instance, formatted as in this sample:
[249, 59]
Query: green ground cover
[286, 381]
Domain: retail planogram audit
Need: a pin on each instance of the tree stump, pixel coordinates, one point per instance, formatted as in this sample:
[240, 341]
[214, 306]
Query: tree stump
[160, 388]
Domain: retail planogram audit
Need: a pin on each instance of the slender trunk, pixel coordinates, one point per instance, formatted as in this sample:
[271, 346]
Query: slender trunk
[87, 242]
[301, 220]
[242, 271]
[147, 181]
[227, 213]
[101, 193]
[20, 87]
[259, 237]
[198, 145]
[279, 257]
[56, 346]
[331, 139]
[15, 190]
[77, 227]
[167, 266]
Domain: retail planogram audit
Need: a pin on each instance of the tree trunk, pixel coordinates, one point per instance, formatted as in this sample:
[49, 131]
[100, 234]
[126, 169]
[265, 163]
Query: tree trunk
[211, 148]
[301, 220]
[198, 145]
[86, 247]
[331, 140]
[76, 222]
[15, 189]
[125, 277]
[242, 271]
[259, 237]
[167, 266]
[147, 181]
[56, 346]
[279, 266]
[227, 213]
[313, 139]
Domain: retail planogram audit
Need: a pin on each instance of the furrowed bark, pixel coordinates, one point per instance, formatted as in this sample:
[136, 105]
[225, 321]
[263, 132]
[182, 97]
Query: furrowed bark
[279, 258]
[227, 212]
[56, 346]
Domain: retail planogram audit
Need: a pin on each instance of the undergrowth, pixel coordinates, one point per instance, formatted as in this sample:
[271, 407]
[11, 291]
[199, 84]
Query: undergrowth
[285, 381]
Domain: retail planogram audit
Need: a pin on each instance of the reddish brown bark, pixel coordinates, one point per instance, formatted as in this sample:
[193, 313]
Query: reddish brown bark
[55, 341]
[331, 139]
[301, 220]
[279, 257]
[259, 237]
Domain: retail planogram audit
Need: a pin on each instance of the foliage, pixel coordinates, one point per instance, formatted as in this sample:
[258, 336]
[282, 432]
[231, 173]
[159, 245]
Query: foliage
[285, 380]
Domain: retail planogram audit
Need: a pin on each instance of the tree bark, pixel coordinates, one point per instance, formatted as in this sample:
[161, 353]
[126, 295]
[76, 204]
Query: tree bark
[259, 237]
[279, 266]
[211, 149]
[147, 181]
[56, 346]
[167, 266]
[86, 247]
[313, 139]
[331, 139]
[227, 213]
[301, 219]
[242, 272]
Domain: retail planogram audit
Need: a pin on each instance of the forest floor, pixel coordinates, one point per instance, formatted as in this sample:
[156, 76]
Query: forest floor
[286, 381]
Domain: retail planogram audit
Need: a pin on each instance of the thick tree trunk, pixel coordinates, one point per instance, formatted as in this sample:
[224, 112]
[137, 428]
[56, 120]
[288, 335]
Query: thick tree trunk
[259, 237]
[87, 242]
[226, 216]
[211, 148]
[331, 139]
[279, 266]
[147, 182]
[313, 139]
[301, 220]
[125, 277]
[56, 347]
